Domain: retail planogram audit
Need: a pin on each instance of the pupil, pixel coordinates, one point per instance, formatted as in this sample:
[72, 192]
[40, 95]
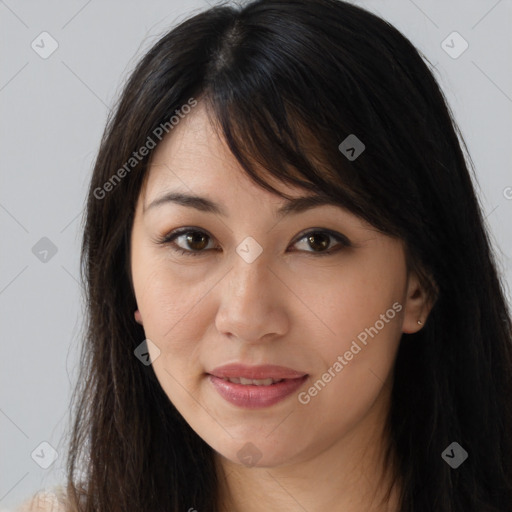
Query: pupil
[194, 238]
[324, 243]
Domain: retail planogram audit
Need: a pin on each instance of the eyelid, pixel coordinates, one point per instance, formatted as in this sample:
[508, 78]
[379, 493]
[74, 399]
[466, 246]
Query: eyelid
[334, 234]
[170, 237]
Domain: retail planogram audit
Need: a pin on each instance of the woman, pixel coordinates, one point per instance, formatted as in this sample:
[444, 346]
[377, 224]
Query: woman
[292, 299]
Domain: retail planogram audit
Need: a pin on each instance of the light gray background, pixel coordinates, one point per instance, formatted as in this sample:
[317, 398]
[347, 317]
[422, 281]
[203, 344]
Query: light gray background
[53, 113]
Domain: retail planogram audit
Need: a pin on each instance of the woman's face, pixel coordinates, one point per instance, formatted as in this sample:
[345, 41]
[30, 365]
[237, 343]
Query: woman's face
[316, 292]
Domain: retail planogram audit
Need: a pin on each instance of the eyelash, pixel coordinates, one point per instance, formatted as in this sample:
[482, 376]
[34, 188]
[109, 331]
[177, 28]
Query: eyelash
[170, 237]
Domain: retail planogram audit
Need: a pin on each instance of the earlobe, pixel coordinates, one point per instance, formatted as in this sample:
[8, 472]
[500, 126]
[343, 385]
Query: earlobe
[138, 317]
[417, 306]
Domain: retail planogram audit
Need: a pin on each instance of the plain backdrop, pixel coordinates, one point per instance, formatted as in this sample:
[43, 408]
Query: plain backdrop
[53, 111]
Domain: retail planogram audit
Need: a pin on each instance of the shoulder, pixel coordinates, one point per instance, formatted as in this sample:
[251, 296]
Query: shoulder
[44, 501]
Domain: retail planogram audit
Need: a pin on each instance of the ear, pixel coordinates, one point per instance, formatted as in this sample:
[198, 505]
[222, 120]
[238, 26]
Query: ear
[138, 317]
[417, 305]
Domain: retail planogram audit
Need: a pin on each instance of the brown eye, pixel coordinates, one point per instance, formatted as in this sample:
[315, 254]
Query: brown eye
[197, 240]
[190, 242]
[318, 241]
[194, 242]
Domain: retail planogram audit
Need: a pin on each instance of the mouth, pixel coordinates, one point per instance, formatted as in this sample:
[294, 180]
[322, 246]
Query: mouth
[252, 382]
[253, 387]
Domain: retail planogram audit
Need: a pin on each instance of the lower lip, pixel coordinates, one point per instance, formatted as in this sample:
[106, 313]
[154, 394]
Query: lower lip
[256, 397]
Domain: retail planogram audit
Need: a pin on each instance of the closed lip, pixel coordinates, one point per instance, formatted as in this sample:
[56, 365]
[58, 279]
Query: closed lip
[267, 371]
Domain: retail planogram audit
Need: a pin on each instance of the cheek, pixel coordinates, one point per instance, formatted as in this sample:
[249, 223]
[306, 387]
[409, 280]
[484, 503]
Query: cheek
[174, 321]
[363, 309]
[170, 306]
[355, 365]
[360, 294]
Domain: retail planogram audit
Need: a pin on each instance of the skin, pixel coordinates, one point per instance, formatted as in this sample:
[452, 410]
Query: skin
[289, 307]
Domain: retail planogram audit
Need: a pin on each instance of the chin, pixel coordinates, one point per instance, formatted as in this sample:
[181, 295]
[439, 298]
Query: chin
[257, 452]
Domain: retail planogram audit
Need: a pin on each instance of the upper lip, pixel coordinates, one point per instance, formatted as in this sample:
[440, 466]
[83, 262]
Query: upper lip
[267, 371]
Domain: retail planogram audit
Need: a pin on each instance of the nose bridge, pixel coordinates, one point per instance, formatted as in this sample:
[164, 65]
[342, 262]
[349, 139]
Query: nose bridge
[249, 304]
[249, 282]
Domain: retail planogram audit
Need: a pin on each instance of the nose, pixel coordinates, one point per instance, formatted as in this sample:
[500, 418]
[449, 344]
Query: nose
[253, 303]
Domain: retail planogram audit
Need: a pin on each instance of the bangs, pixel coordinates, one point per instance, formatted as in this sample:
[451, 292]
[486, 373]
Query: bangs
[260, 108]
[274, 141]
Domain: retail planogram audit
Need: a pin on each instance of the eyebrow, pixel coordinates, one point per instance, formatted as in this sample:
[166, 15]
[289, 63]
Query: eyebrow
[293, 206]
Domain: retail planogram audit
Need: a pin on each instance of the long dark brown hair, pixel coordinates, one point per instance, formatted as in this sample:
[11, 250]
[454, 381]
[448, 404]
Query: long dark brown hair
[281, 77]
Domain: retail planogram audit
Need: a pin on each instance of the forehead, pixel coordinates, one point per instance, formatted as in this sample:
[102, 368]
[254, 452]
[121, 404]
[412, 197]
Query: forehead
[194, 155]
[191, 139]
